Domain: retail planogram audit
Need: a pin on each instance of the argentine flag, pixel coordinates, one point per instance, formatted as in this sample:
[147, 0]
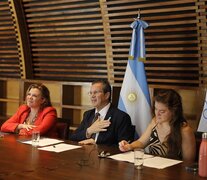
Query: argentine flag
[202, 127]
[134, 95]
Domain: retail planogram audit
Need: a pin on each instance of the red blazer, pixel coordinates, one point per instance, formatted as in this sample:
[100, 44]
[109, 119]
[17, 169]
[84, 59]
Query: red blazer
[45, 122]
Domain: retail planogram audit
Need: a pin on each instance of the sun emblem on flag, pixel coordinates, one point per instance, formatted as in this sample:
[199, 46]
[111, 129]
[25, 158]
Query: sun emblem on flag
[132, 97]
[205, 114]
[205, 111]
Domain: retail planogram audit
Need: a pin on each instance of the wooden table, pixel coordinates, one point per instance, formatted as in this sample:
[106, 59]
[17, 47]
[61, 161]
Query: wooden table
[21, 161]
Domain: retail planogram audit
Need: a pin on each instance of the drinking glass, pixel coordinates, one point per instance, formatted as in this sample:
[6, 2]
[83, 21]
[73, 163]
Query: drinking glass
[138, 158]
[35, 138]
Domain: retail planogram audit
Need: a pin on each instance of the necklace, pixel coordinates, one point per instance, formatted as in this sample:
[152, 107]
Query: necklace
[31, 118]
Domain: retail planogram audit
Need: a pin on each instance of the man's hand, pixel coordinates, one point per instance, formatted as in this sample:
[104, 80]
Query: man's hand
[98, 126]
[87, 141]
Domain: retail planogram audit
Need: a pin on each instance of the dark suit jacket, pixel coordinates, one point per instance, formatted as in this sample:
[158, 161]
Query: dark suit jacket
[119, 129]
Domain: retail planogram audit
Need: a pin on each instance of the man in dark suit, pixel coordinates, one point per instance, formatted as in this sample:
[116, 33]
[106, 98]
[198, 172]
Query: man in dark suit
[111, 126]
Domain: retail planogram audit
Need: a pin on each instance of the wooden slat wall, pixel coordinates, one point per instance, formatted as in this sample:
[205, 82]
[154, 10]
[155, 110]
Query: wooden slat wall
[82, 40]
[171, 40]
[67, 39]
[202, 31]
[9, 55]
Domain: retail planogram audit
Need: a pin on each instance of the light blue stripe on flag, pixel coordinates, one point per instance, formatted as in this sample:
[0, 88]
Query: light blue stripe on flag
[134, 95]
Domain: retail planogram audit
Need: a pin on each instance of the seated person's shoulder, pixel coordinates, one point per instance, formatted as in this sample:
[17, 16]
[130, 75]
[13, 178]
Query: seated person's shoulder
[89, 112]
[49, 109]
[153, 123]
[186, 129]
[23, 108]
[120, 112]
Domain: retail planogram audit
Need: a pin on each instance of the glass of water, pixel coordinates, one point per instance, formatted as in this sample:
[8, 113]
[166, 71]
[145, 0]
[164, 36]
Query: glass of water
[35, 138]
[138, 158]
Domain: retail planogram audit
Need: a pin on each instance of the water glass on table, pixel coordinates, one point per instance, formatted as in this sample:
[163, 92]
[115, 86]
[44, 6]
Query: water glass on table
[138, 158]
[35, 138]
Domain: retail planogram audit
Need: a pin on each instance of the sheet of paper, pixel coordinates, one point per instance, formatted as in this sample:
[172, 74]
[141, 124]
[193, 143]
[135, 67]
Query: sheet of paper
[2, 134]
[128, 156]
[59, 147]
[149, 160]
[160, 163]
[44, 141]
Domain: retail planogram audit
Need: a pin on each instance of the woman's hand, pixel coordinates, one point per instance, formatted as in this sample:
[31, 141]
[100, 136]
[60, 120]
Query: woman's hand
[124, 146]
[25, 126]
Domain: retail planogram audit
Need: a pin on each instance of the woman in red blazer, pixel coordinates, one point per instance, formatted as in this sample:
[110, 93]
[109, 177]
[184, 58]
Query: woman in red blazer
[36, 114]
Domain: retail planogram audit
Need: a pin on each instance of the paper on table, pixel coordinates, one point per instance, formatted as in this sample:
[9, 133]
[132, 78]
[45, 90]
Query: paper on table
[44, 141]
[128, 156]
[59, 147]
[160, 162]
[149, 160]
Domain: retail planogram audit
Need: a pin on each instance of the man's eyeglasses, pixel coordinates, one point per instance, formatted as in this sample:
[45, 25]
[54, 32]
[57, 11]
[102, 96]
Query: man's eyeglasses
[94, 93]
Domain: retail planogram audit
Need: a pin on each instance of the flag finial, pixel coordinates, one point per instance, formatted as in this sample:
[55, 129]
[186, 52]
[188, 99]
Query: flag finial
[138, 15]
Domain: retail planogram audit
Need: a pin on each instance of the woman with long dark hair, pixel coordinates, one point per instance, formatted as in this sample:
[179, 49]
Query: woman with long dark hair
[168, 134]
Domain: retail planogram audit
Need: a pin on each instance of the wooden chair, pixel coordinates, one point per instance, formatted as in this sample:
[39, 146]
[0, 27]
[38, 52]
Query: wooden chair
[62, 128]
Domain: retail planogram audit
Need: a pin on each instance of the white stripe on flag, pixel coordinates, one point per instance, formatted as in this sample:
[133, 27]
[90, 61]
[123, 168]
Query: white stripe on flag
[134, 96]
[135, 105]
[203, 121]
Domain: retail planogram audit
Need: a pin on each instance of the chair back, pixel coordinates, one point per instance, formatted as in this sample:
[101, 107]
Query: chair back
[62, 127]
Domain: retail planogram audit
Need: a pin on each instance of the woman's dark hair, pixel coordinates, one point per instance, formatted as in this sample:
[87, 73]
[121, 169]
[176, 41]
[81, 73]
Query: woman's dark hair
[44, 93]
[106, 86]
[173, 101]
